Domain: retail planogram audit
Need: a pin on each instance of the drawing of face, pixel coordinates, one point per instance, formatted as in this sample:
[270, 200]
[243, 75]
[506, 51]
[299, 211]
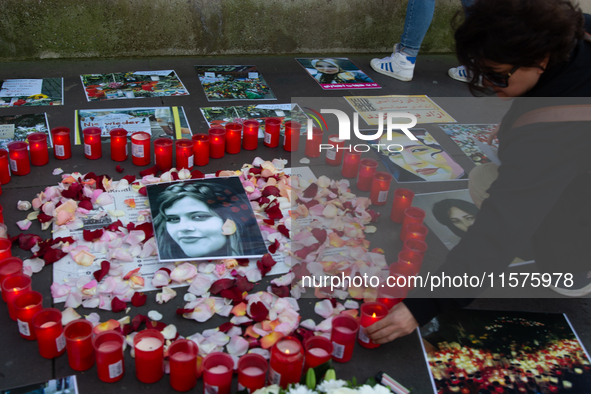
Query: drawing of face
[461, 219]
[326, 68]
[426, 161]
[196, 229]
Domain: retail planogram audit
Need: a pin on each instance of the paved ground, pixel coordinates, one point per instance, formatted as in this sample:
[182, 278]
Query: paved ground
[20, 362]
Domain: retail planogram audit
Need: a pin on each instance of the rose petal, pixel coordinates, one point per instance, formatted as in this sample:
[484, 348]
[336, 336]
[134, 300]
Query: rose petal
[237, 346]
[229, 227]
[69, 315]
[155, 315]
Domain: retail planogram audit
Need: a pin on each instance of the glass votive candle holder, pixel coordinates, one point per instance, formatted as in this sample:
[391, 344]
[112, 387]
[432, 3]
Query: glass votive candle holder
[367, 168]
[140, 148]
[291, 140]
[351, 161]
[10, 266]
[371, 312]
[26, 306]
[343, 335]
[47, 324]
[13, 286]
[390, 295]
[287, 361]
[408, 264]
[272, 130]
[217, 142]
[149, 355]
[380, 187]
[93, 148]
[318, 351]
[62, 146]
[182, 355]
[402, 200]
[334, 155]
[163, 153]
[233, 137]
[252, 372]
[313, 142]
[19, 157]
[38, 149]
[118, 144]
[415, 245]
[250, 134]
[5, 248]
[108, 349]
[217, 373]
[78, 335]
[411, 215]
[416, 231]
[184, 154]
[200, 149]
[4, 167]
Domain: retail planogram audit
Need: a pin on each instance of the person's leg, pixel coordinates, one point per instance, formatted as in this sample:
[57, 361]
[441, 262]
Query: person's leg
[460, 73]
[419, 14]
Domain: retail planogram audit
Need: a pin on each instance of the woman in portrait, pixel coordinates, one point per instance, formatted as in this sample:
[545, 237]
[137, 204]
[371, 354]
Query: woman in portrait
[329, 71]
[190, 219]
[457, 215]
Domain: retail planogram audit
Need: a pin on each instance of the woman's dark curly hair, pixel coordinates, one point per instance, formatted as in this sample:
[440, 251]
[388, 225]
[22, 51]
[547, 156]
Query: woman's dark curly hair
[517, 32]
[442, 209]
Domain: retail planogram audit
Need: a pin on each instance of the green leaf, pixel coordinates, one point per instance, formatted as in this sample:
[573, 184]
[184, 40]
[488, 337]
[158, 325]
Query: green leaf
[323, 368]
[371, 382]
[311, 379]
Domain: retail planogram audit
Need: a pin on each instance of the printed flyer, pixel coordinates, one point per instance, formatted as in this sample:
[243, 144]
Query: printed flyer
[18, 127]
[233, 82]
[473, 141]
[337, 73]
[31, 92]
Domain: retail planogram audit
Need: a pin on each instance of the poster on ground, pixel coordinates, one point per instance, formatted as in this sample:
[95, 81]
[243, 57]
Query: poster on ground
[31, 92]
[337, 73]
[156, 121]
[473, 141]
[425, 109]
[18, 127]
[505, 352]
[132, 84]
[233, 82]
[67, 385]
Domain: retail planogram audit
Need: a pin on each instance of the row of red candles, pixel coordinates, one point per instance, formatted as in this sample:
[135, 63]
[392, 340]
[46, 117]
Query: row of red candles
[84, 347]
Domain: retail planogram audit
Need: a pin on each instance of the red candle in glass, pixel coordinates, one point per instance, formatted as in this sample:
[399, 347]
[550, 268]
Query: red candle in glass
[367, 168]
[351, 161]
[149, 356]
[415, 231]
[62, 147]
[163, 153]
[10, 266]
[201, 149]
[313, 144]
[272, 128]
[252, 372]
[12, 287]
[217, 373]
[38, 149]
[334, 155]
[5, 248]
[402, 200]
[391, 296]
[410, 262]
[26, 306]
[108, 348]
[118, 144]
[217, 142]
[318, 351]
[287, 361]
[78, 335]
[411, 215]
[343, 334]
[250, 137]
[291, 140]
[371, 312]
[380, 187]
[233, 137]
[415, 245]
[50, 333]
[4, 167]
[19, 158]
[140, 148]
[184, 154]
[93, 149]
[183, 364]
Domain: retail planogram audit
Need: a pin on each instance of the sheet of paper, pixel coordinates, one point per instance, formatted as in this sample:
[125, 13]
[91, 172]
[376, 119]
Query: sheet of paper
[21, 87]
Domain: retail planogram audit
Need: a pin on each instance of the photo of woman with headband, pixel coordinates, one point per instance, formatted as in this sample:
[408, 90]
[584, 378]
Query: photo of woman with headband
[339, 71]
[204, 219]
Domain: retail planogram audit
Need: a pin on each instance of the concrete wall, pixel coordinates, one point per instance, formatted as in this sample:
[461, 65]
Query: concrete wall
[38, 29]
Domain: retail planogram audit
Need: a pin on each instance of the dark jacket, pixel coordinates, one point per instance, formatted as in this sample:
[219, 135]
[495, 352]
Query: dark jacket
[542, 194]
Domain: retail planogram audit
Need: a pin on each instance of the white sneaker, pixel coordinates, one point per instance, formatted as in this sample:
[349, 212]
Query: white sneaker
[459, 74]
[396, 66]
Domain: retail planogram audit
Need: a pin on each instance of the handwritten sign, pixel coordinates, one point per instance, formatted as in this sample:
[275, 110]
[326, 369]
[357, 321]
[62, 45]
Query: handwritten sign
[21, 87]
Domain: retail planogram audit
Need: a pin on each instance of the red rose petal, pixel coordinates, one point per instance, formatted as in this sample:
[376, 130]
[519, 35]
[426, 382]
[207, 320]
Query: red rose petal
[253, 342]
[320, 235]
[119, 169]
[243, 284]
[91, 236]
[138, 299]
[53, 255]
[129, 178]
[217, 173]
[273, 248]
[271, 191]
[43, 218]
[273, 211]
[280, 291]
[114, 226]
[85, 204]
[101, 273]
[258, 312]
[311, 191]
[233, 294]
[269, 222]
[126, 329]
[243, 262]
[220, 285]
[226, 327]
[138, 320]
[27, 241]
[149, 171]
[283, 230]
[374, 215]
[196, 174]
[117, 305]
[182, 311]
[147, 228]
[143, 191]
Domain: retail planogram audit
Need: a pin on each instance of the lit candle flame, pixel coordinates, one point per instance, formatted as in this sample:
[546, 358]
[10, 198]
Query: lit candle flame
[374, 315]
[286, 351]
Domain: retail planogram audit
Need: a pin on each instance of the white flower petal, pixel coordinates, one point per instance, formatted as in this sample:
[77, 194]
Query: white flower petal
[324, 308]
[237, 346]
[68, 315]
[155, 315]
[309, 324]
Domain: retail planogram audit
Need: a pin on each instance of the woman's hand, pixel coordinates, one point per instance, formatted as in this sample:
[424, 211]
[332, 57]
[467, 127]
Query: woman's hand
[491, 136]
[398, 323]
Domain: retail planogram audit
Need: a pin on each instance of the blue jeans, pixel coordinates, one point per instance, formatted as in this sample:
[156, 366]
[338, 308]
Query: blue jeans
[419, 14]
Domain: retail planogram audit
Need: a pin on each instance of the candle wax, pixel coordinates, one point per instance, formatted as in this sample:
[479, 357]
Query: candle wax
[148, 344]
[181, 357]
[319, 352]
[288, 347]
[219, 369]
[345, 330]
[110, 346]
[252, 371]
[48, 324]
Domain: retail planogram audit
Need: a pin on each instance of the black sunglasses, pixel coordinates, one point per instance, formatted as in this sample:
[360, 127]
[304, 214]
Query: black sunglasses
[499, 80]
